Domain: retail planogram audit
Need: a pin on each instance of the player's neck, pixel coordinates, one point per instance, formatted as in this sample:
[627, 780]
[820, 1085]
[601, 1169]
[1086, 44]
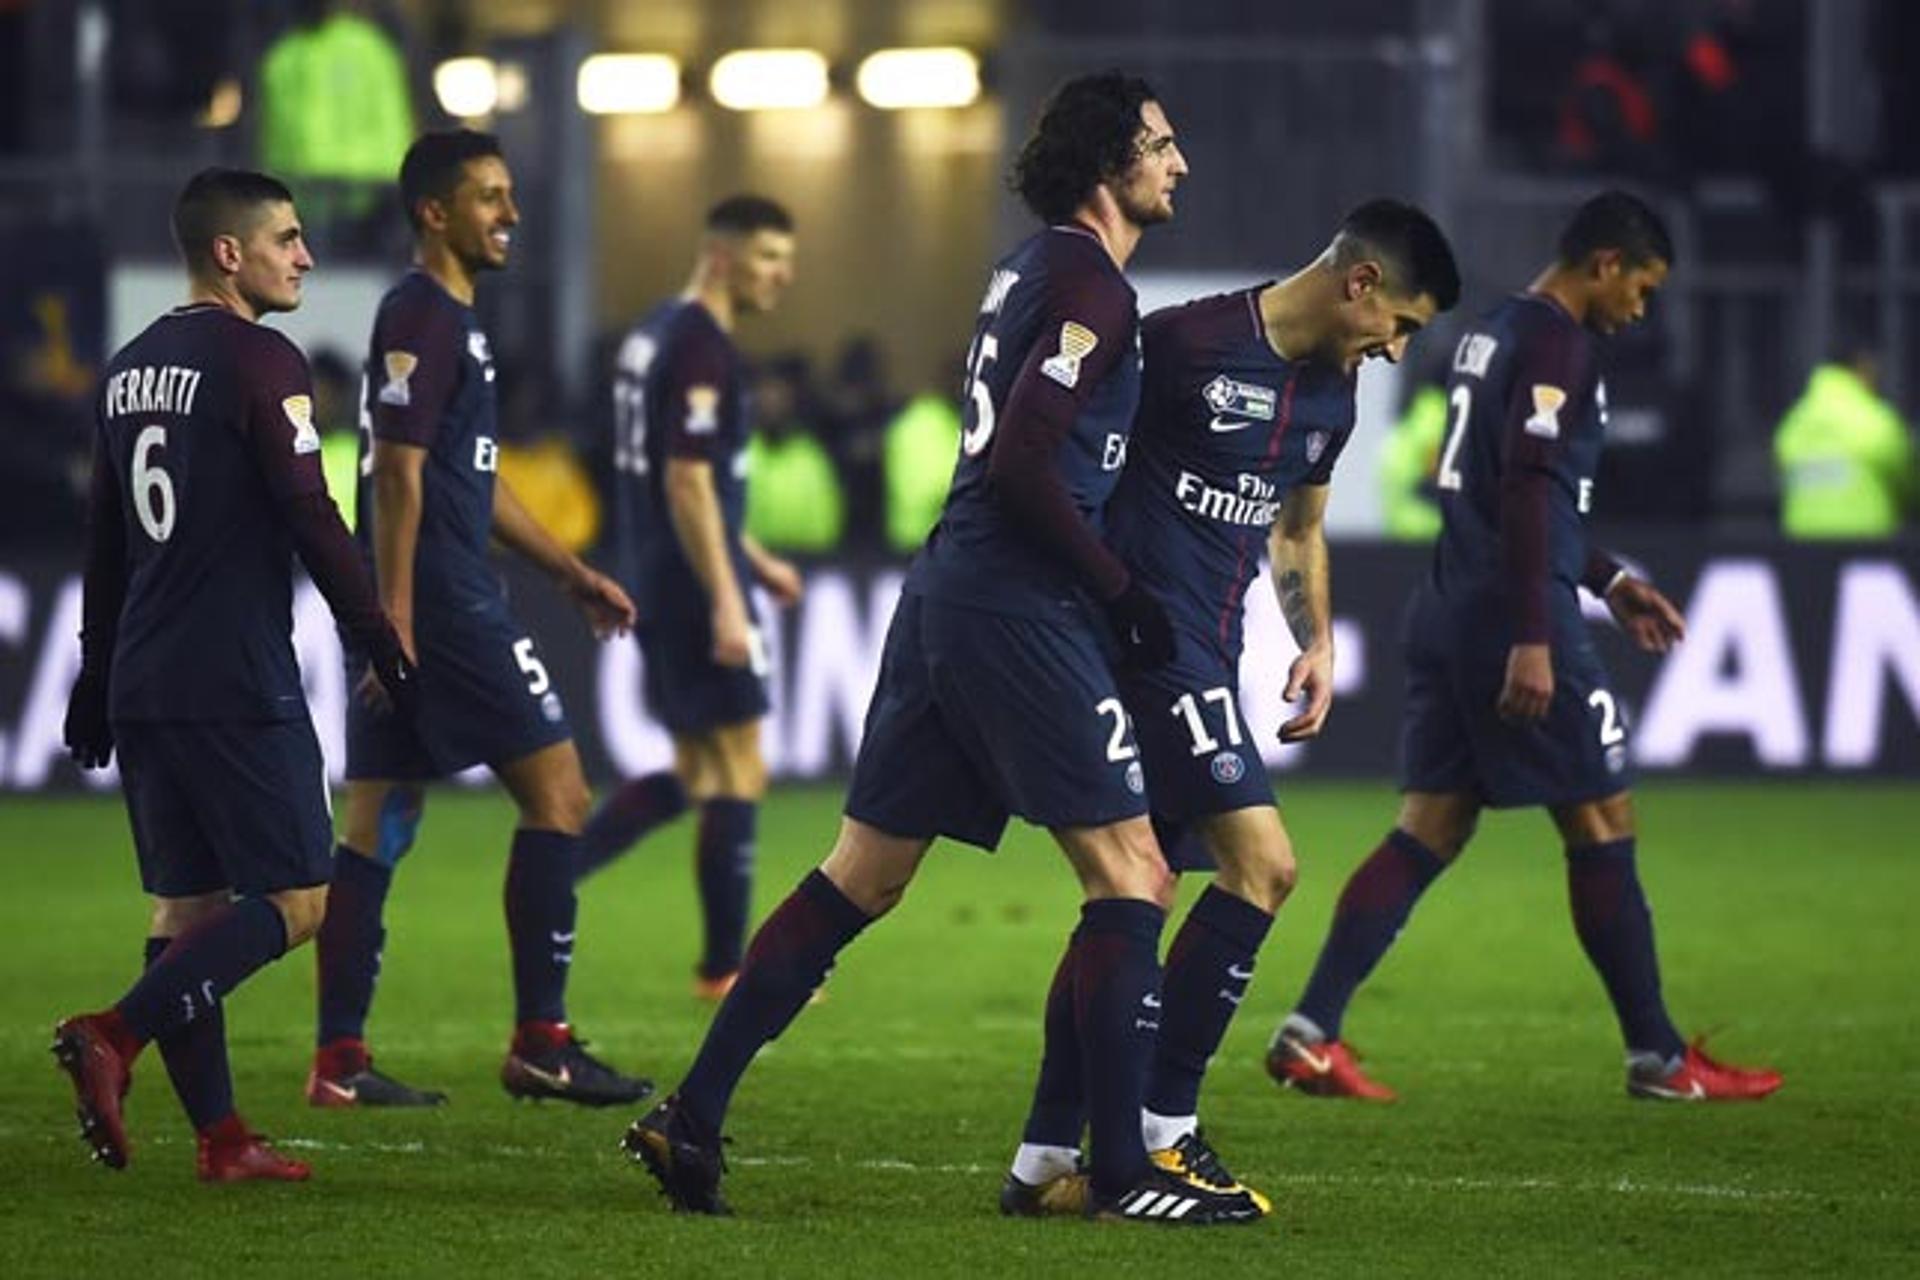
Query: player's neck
[440, 263]
[221, 295]
[711, 293]
[1291, 314]
[1117, 233]
[1564, 289]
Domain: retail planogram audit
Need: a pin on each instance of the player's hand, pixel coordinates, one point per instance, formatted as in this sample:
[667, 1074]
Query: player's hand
[1647, 616]
[1528, 690]
[88, 732]
[732, 635]
[782, 579]
[1145, 633]
[609, 611]
[1311, 675]
[391, 684]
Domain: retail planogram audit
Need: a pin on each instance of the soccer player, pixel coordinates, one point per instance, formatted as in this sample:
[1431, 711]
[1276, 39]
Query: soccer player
[680, 410]
[206, 480]
[430, 500]
[995, 695]
[1246, 403]
[1507, 703]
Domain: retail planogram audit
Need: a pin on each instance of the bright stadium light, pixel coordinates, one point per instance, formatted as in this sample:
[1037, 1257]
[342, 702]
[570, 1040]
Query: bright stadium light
[769, 79]
[897, 78]
[626, 83]
[466, 87]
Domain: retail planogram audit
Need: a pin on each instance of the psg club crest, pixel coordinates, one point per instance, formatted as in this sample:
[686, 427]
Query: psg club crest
[1316, 445]
[1227, 768]
[1136, 778]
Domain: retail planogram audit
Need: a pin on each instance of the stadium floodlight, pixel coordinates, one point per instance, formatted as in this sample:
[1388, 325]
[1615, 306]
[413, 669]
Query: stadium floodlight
[628, 83]
[893, 79]
[769, 79]
[467, 87]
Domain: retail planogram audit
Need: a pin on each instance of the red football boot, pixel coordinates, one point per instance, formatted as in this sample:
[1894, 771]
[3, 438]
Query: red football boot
[231, 1152]
[1322, 1069]
[91, 1048]
[1699, 1078]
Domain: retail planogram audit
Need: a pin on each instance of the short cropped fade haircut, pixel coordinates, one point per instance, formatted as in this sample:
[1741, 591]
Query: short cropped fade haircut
[744, 214]
[220, 202]
[1408, 243]
[1087, 133]
[1616, 220]
[435, 164]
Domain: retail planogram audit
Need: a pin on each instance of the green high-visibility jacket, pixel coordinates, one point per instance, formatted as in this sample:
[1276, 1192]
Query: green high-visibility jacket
[334, 103]
[1845, 459]
[918, 453]
[793, 494]
[340, 464]
[1407, 459]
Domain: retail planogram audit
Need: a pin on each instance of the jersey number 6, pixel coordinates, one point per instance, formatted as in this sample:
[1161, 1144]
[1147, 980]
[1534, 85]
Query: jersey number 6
[152, 486]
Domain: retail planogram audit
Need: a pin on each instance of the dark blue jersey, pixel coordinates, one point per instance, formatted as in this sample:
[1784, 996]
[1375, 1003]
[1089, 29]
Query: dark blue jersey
[1227, 429]
[206, 436]
[679, 391]
[429, 383]
[1527, 410]
[1053, 378]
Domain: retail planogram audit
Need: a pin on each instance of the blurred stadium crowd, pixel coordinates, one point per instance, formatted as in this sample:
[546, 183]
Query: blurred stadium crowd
[1773, 391]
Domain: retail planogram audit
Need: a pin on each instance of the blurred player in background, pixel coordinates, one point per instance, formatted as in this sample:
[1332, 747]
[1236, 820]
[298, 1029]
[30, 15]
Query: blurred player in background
[206, 481]
[1246, 403]
[1507, 702]
[995, 694]
[680, 448]
[430, 501]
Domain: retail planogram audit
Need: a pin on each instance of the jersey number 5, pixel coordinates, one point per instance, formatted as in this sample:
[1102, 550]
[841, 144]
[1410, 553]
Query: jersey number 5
[152, 486]
[1461, 402]
[985, 349]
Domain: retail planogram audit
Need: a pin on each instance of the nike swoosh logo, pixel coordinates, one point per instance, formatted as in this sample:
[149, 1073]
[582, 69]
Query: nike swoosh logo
[1151, 1001]
[1319, 1063]
[1223, 425]
[564, 938]
[1240, 972]
[553, 1079]
[345, 1093]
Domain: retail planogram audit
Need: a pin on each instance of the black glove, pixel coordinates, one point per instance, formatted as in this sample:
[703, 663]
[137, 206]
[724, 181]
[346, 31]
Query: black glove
[401, 680]
[88, 734]
[1140, 622]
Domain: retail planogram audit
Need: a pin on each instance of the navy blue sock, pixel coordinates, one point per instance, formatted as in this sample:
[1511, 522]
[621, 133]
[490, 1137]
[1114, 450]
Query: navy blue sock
[1116, 997]
[1208, 968]
[1373, 908]
[196, 1058]
[347, 947]
[626, 816]
[790, 956]
[1611, 916]
[201, 966]
[1058, 1116]
[724, 858]
[540, 917]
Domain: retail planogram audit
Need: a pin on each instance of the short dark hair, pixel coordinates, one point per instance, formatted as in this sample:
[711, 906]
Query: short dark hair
[745, 213]
[1409, 244]
[435, 163]
[1616, 220]
[1086, 133]
[220, 202]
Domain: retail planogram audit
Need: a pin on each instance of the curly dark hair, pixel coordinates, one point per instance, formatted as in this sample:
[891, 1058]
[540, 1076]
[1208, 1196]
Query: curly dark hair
[1086, 133]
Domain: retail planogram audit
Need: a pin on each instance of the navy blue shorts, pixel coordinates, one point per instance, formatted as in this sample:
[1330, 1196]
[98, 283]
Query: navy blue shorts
[486, 697]
[978, 716]
[686, 690]
[1200, 754]
[226, 806]
[1452, 739]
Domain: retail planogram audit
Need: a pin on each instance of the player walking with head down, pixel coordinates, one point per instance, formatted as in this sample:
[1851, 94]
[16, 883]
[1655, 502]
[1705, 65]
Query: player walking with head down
[1507, 703]
[206, 481]
[680, 418]
[1246, 404]
[995, 695]
[430, 502]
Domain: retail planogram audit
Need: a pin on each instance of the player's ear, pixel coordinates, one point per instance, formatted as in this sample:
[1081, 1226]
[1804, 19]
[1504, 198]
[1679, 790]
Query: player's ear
[1605, 264]
[1363, 278]
[225, 252]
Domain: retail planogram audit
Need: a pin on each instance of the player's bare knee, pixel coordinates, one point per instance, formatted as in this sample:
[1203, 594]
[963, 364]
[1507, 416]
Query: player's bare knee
[301, 911]
[871, 868]
[172, 917]
[1596, 821]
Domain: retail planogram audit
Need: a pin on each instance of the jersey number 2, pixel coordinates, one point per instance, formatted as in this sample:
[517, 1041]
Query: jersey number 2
[1461, 402]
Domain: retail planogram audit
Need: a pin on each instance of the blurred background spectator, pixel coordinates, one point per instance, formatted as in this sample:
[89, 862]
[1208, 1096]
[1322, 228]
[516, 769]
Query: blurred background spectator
[1846, 459]
[795, 501]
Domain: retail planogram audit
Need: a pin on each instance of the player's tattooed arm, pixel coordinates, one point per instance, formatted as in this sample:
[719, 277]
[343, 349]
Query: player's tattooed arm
[695, 511]
[1298, 550]
[606, 605]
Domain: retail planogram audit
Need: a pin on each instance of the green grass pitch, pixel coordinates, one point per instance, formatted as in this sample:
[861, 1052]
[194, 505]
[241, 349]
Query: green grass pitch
[871, 1139]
